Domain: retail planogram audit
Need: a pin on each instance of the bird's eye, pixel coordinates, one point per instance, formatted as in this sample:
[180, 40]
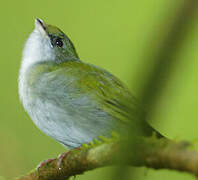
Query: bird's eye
[59, 42]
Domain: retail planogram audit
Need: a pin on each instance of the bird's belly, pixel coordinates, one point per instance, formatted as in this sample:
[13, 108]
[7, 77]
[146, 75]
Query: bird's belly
[70, 126]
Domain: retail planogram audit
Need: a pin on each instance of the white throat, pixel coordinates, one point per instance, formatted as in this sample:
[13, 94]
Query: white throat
[37, 49]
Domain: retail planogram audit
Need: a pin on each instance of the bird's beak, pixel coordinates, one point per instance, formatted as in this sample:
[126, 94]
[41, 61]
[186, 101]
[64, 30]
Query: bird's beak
[40, 26]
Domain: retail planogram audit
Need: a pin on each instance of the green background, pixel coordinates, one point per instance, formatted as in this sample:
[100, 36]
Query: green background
[114, 35]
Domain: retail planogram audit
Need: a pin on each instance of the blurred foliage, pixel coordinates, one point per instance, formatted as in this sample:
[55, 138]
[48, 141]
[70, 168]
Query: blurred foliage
[114, 35]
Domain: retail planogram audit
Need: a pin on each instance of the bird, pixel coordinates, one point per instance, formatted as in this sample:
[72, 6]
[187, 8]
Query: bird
[72, 101]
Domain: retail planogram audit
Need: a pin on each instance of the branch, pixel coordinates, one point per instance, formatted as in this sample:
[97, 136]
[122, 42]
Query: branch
[150, 152]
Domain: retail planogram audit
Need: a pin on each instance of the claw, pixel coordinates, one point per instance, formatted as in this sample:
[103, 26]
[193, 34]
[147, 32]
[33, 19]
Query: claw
[45, 162]
[61, 157]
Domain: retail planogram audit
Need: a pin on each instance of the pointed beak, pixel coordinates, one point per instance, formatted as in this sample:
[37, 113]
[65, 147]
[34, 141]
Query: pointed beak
[40, 26]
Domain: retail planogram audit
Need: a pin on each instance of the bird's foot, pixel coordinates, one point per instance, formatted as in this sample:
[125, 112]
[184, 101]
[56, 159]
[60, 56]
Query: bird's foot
[45, 162]
[61, 157]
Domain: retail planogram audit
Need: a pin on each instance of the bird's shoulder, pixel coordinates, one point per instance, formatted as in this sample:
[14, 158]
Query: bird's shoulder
[83, 75]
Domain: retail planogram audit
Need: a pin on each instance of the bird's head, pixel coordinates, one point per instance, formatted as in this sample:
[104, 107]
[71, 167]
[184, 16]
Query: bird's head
[48, 43]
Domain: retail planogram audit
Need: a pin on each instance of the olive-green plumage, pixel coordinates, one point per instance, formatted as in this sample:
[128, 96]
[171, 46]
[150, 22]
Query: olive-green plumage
[68, 99]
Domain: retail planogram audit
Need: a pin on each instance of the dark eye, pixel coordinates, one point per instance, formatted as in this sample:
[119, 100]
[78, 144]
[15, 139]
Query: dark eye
[59, 42]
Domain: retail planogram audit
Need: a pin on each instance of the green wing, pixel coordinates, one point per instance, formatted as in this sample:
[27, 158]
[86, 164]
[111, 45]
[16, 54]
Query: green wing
[113, 96]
